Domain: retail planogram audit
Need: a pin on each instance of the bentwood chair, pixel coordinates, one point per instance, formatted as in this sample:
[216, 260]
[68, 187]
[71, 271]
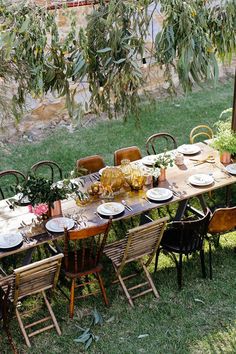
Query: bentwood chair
[139, 242]
[200, 131]
[131, 153]
[223, 220]
[47, 167]
[82, 250]
[160, 142]
[90, 164]
[9, 179]
[185, 237]
[33, 279]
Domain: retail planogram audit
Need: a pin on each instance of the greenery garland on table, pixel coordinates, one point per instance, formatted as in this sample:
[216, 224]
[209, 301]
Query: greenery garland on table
[108, 52]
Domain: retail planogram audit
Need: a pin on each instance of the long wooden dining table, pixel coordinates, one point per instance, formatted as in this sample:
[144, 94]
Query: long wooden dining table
[19, 219]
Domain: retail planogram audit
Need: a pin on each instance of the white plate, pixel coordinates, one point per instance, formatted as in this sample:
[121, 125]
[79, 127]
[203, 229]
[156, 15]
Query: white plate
[58, 224]
[188, 149]
[231, 168]
[159, 194]
[110, 209]
[10, 240]
[201, 179]
[19, 200]
[102, 169]
[149, 160]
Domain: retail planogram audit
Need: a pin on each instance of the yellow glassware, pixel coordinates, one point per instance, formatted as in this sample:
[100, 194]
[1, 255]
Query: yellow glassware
[137, 179]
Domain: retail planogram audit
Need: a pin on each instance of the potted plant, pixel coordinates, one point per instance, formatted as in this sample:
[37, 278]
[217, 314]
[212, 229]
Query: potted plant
[225, 139]
[163, 161]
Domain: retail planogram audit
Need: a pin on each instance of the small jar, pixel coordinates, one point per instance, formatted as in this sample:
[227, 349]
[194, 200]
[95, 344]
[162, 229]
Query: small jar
[179, 159]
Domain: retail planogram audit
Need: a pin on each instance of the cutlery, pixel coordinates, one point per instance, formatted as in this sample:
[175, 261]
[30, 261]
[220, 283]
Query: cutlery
[147, 200]
[126, 205]
[99, 216]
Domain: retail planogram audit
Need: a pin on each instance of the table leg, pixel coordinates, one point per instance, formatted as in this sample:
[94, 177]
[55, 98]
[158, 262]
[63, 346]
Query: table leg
[181, 209]
[28, 257]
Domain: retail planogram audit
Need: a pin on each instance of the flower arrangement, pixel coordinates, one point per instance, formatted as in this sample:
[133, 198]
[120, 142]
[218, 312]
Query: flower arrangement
[39, 209]
[225, 138]
[164, 160]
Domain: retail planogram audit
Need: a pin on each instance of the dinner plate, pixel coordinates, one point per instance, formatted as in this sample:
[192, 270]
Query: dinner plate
[110, 209]
[159, 194]
[149, 160]
[231, 168]
[102, 169]
[58, 224]
[201, 179]
[188, 149]
[8, 241]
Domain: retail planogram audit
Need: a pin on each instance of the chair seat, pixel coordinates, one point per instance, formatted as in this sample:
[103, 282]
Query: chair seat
[86, 268]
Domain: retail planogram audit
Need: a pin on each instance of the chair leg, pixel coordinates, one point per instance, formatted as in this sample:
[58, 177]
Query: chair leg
[124, 287]
[156, 259]
[54, 320]
[150, 281]
[179, 271]
[104, 295]
[210, 260]
[202, 257]
[72, 298]
[22, 328]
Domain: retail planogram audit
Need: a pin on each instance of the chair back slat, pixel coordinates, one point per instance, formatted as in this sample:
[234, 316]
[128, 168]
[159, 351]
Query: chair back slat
[7, 177]
[86, 245]
[36, 277]
[222, 220]
[143, 240]
[160, 142]
[45, 165]
[90, 164]
[200, 130]
[131, 153]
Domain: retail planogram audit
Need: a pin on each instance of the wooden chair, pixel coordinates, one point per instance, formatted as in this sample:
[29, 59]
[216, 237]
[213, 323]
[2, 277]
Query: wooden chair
[160, 142]
[46, 165]
[223, 220]
[91, 163]
[131, 153]
[9, 176]
[33, 279]
[83, 249]
[184, 238]
[139, 242]
[200, 130]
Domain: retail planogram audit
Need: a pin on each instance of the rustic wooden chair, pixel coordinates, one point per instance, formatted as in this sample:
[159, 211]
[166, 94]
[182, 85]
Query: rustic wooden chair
[33, 279]
[139, 242]
[223, 220]
[131, 153]
[90, 163]
[200, 131]
[160, 142]
[184, 238]
[12, 178]
[46, 165]
[82, 250]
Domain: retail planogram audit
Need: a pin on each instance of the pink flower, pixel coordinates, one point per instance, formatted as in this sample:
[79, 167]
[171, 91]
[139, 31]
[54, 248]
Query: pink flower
[30, 208]
[40, 209]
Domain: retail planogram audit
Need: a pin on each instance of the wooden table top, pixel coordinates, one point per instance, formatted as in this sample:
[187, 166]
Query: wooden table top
[177, 178]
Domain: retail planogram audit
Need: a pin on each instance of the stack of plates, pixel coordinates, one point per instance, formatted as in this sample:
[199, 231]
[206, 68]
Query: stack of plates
[159, 194]
[231, 168]
[10, 241]
[188, 149]
[201, 179]
[58, 224]
[110, 209]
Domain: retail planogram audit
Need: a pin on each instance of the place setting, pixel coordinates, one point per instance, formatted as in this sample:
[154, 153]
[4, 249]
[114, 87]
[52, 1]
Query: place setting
[189, 149]
[201, 180]
[159, 194]
[110, 209]
[58, 224]
[11, 241]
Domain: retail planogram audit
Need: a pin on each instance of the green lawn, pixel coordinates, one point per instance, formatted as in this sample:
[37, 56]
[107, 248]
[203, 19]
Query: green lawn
[201, 318]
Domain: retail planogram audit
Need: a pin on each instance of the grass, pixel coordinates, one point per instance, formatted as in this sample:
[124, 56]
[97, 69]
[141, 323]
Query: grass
[198, 319]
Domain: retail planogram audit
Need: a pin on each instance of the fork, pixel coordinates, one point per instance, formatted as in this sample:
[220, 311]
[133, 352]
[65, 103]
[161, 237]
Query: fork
[126, 205]
[99, 216]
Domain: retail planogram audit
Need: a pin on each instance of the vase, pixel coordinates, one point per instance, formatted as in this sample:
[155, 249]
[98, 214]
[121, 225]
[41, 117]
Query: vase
[225, 157]
[55, 209]
[162, 176]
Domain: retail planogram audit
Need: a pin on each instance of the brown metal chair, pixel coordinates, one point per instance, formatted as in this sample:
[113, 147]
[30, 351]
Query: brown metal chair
[46, 165]
[131, 153]
[83, 249]
[33, 279]
[139, 242]
[184, 238]
[90, 163]
[10, 176]
[223, 220]
[160, 142]
[200, 131]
